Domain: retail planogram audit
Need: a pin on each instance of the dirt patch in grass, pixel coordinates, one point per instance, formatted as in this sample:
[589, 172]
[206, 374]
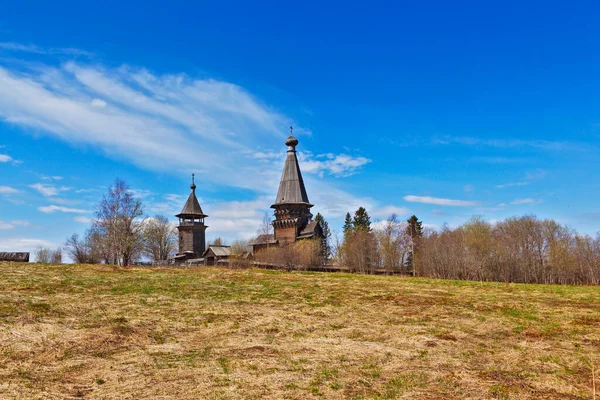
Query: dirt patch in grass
[93, 331]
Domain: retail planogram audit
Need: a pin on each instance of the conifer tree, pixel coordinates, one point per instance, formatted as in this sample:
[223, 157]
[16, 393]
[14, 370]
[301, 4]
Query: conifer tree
[362, 221]
[326, 235]
[414, 230]
[347, 226]
[415, 227]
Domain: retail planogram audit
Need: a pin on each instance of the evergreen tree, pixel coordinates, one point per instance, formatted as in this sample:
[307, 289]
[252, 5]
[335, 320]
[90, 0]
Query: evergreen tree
[362, 221]
[414, 229]
[324, 225]
[326, 235]
[348, 227]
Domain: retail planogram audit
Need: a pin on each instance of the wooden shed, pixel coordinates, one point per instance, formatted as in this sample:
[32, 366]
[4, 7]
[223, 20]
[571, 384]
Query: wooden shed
[216, 253]
[15, 257]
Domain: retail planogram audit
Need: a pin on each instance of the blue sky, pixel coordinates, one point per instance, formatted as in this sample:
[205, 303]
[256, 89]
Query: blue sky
[444, 110]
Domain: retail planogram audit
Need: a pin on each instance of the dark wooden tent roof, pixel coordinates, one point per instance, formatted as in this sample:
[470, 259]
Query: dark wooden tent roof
[192, 208]
[291, 186]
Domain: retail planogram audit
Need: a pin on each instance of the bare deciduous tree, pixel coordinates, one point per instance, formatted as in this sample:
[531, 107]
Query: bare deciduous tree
[522, 249]
[47, 256]
[118, 224]
[43, 255]
[394, 244]
[57, 256]
[218, 241]
[159, 238]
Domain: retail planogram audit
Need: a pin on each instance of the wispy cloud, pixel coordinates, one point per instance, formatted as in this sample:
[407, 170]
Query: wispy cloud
[48, 190]
[528, 179]
[4, 226]
[83, 220]
[30, 48]
[439, 201]
[51, 178]
[337, 165]
[498, 160]
[525, 201]
[5, 158]
[13, 224]
[54, 208]
[8, 190]
[387, 211]
[511, 143]
[23, 244]
[169, 123]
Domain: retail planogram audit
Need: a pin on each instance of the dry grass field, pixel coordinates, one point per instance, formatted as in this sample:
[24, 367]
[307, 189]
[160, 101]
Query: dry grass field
[101, 332]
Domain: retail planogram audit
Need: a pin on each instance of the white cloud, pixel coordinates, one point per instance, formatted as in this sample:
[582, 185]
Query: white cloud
[161, 122]
[439, 201]
[511, 184]
[331, 201]
[269, 155]
[53, 208]
[524, 201]
[228, 219]
[82, 219]
[171, 204]
[48, 190]
[528, 179]
[8, 190]
[22, 223]
[387, 211]
[30, 48]
[4, 158]
[237, 219]
[4, 226]
[51, 178]
[23, 244]
[140, 193]
[469, 188]
[13, 224]
[511, 143]
[98, 103]
[336, 165]
[432, 227]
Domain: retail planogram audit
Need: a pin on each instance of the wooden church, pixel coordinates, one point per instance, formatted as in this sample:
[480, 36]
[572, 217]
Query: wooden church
[293, 219]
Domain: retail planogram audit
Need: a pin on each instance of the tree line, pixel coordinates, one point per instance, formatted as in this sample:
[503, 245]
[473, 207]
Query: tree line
[519, 249]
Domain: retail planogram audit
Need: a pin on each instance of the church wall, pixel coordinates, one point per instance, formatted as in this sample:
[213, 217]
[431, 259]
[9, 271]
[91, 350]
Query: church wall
[286, 235]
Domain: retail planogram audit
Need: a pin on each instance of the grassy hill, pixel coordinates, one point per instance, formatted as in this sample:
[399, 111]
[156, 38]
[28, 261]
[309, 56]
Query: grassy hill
[97, 331]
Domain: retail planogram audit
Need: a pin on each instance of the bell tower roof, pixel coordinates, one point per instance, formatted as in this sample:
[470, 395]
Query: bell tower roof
[192, 208]
[291, 187]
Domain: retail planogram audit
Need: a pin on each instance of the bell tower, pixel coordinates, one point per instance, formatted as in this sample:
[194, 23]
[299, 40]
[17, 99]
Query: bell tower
[192, 242]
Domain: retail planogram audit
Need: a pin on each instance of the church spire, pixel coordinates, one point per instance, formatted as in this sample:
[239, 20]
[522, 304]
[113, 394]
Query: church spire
[291, 187]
